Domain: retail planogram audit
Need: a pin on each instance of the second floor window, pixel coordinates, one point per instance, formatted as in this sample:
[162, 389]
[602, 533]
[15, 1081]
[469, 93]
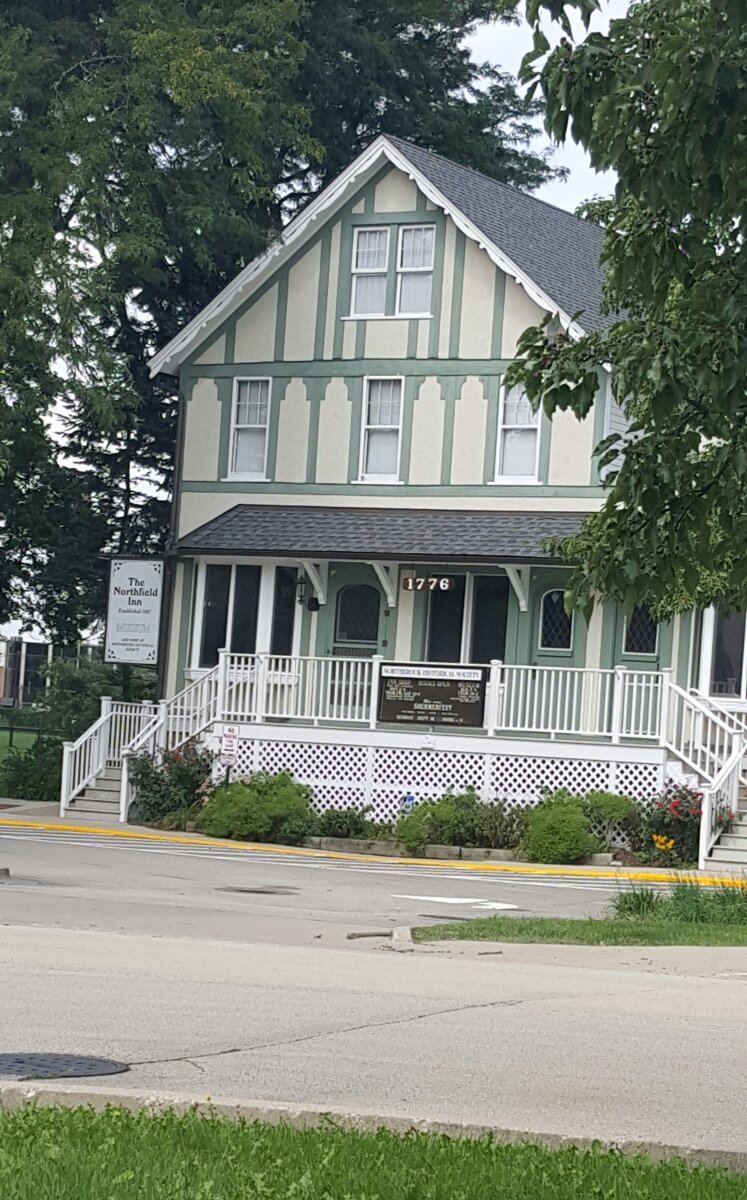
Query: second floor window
[381, 429]
[250, 419]
[370, 258]
[518, 438]
[374, 269]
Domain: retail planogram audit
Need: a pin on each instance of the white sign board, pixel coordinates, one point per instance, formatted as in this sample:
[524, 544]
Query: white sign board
[229, 745]
[133, 614]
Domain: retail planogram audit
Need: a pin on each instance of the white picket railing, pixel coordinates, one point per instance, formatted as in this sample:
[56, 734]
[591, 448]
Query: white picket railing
[720, 800]
[100, 746]
[699, 737]
[258, 687]
[737, 722]
[556, 701]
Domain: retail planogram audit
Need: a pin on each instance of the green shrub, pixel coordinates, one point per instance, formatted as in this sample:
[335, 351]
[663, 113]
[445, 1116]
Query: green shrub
[344, 823]
[33, 774]
[264, 808]
[606, 809]
[168, 786]
[450, 821]
[560, 796]
[556, 832]
[637, 903]
[500, 828]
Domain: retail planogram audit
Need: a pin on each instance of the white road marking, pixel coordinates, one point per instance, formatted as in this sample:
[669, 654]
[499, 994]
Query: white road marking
[471, 901]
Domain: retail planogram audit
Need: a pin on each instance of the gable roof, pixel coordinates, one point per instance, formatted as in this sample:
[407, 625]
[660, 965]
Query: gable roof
[553, 255]
[556, 249]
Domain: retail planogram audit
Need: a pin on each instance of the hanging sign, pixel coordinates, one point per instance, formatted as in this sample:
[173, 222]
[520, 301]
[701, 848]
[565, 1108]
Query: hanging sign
[133, 614]
[428, 583]
[229, 745]
[418, 694]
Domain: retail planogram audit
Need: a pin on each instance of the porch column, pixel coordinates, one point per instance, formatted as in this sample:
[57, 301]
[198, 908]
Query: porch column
[707, 635]
[265, 607]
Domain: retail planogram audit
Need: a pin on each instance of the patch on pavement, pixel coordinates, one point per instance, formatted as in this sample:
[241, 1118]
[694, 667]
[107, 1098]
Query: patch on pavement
[56, 1066]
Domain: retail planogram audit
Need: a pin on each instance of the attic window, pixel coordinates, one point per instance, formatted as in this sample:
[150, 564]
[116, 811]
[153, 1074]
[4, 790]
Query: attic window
[370, 255]
[392, 271]
[415, 269]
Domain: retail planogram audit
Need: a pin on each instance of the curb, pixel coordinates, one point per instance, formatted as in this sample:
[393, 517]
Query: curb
[511, 868]
[17, 1096]
[402, 939]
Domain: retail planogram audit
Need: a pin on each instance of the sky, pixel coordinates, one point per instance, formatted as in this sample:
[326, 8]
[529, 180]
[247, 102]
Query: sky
[504, 46]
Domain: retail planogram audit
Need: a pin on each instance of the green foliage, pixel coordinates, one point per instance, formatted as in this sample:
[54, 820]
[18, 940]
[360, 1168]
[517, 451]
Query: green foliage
[637, 903]
[460, 820]
[78, 1154]
[669, 829]
[606, 809]
[344, 823]
[263, 808]
[35, 773]
[659, 99]
[556, 832]
[72, 701]
[609, 931]
[169, 786]
[723, 905]
[148, 151]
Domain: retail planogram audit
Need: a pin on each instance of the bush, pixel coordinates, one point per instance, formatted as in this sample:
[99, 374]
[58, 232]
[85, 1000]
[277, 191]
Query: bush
[556, 832]
[670, 827]
[168, 786]
[264, 808]
[605, 810]
[33, 774]
[344, 823]
[461, 820]
[500, 828]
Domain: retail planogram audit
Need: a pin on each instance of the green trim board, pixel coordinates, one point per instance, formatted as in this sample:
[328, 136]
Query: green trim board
[450, 390]
[437, 298]
[545, 440]
[281, 315]
[279, 388]
[323, 293]
[499, 300]
[315, 393]
[455, 316]
[413, 217]
[352, 366]
[249, 487]
[225, 401]
[355, 399]
[491, 386]
[185, 617]
[413, 384]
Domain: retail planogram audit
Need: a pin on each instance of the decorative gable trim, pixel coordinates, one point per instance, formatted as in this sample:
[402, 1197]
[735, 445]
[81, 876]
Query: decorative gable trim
[300, 230]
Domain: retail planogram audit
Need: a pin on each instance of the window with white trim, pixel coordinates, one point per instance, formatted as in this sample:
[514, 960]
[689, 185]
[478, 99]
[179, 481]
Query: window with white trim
[517, 454]
[251, 414]
[382, 425]
[556, 625]
[370, 262]
[415, 269]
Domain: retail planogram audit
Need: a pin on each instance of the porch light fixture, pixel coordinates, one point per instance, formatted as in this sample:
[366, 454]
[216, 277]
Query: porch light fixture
[302, 597]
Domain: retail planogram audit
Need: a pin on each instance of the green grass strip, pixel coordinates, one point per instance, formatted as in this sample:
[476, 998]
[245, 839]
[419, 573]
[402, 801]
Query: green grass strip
[52, 1154]
[585, 932]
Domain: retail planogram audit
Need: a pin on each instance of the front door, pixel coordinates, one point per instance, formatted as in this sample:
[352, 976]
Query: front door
[355, 618]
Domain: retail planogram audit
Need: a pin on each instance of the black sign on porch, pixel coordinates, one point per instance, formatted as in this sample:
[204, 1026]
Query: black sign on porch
[419, 694]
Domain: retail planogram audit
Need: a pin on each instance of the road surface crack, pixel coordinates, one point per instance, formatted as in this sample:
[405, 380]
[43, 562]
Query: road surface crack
[311, 1037]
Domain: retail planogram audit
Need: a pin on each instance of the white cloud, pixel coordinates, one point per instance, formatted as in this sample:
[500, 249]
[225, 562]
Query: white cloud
[504, 46]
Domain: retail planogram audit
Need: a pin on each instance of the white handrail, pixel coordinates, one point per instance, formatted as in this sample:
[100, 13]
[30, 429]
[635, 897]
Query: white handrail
[737, 722]
[720, 799]
[696, 735]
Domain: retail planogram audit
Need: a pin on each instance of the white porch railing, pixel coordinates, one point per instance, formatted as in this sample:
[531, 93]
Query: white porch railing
[259, 687]
[698, 736]
[736, 721]
[720, 800]
[100, 746]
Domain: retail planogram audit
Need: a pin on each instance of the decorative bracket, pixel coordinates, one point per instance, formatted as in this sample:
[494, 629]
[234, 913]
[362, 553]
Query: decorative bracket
[384, 573]
[519, 579]
[312, 572]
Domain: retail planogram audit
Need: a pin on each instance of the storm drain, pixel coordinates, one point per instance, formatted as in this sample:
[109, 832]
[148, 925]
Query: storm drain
[56, 1066]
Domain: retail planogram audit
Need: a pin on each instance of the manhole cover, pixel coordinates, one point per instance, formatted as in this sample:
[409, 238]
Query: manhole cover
[261, 891]
[56, 1066]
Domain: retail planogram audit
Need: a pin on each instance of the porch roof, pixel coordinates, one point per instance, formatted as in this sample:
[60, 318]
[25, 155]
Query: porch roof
[387, 534]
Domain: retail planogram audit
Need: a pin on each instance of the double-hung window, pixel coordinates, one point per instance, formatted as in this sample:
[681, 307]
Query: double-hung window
[251, 412]
[370, 259]
[415, 269]
[518, 438]
[381, 430]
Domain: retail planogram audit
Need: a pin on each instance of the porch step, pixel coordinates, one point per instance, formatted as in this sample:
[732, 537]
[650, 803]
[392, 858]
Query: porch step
[108, 782]
[101, 798]
[83, 804]
[736, 838]
[728, 856]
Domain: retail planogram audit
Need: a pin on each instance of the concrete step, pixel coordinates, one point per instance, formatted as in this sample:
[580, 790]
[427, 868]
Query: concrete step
[728, 854]
[101, 795]
[735, 838]
[107, 783]
[84, 805]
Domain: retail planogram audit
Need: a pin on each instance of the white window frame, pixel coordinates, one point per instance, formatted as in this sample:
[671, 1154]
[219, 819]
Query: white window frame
[554, 649]
[414, 270]
[363, 476]
[265, 612]
[639, 653]
[518, 479]
[357, 271]
[260, 476]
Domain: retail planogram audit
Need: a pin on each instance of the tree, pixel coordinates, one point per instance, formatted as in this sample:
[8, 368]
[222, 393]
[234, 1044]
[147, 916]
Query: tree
[148, 150]
[661, 99]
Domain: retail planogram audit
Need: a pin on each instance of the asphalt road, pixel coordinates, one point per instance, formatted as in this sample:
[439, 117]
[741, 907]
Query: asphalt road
[146, 955]
[161, 889]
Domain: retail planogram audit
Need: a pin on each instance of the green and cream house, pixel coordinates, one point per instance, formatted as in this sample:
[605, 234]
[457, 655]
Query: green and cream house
[356, 487]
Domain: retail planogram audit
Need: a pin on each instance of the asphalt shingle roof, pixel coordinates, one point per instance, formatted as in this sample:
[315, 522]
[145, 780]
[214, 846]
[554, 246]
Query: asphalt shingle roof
[558, 251]
[407, 535]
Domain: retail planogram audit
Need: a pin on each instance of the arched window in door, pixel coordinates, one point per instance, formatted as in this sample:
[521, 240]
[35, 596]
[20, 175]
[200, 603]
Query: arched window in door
[556, 625]
[357, 616]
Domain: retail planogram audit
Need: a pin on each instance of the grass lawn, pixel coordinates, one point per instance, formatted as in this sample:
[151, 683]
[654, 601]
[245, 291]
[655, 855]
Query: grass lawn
[77, 1155]
[21, 741]
[585, 932]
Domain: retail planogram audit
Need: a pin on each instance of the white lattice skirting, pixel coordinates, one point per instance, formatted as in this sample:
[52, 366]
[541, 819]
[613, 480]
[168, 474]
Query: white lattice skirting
[361, 767]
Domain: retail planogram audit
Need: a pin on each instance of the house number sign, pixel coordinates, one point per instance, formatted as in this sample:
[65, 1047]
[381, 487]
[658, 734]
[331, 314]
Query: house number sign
[427, 583]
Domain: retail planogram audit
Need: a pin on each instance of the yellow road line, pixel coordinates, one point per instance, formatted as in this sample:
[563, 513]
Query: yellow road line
[307, 852]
